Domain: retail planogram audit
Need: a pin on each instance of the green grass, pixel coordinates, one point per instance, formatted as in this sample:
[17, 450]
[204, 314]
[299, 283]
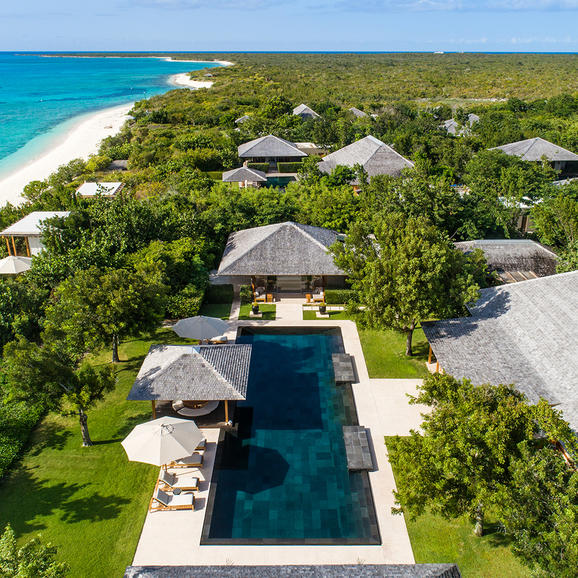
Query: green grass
[384, 349]
[220, 310]
[268, 310]
[437, 540]
[89, 502]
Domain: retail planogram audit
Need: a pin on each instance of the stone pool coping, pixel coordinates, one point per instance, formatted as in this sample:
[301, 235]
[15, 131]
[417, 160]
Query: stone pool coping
[173, 538]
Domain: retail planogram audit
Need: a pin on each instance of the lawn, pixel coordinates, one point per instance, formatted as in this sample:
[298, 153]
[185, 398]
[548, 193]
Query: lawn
[268, 310]
[220, 310]
[437, 540]
[89, 502]
[384, 349]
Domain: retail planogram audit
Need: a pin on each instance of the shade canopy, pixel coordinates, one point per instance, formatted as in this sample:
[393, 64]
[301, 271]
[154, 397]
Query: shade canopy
[162, 441]
[15, 265]
[200, 327]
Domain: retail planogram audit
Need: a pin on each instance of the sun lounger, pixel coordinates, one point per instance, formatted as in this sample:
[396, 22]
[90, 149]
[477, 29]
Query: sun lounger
[202, 445]
[194, 461]
[164, 501]
[319, 296]
[220, 339]
[173, 482]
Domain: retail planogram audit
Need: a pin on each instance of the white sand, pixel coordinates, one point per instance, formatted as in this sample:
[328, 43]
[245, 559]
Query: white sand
[82, 140]
[184, 80]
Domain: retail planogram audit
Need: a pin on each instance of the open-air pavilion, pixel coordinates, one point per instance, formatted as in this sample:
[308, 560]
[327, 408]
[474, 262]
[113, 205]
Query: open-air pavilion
[523, 333]
[282, 258]
[245, 176]
[193, 380]
[270, 149]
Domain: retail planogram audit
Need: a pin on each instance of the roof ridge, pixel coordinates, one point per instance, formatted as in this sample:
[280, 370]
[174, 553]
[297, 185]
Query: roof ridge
[304, 232]
[217, 372]
[389, 147]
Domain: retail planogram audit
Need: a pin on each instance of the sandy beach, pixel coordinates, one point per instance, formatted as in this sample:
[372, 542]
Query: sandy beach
[82, 140]
[184, 80]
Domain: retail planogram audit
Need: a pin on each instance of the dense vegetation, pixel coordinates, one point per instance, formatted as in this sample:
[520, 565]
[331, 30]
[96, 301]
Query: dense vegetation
[154, 245]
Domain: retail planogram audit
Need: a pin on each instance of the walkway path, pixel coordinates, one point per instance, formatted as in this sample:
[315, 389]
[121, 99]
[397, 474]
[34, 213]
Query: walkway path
[289, 309]
[236, 305]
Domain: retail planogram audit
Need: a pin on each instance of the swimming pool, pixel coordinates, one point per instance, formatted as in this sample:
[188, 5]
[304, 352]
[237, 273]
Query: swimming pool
[281, 477]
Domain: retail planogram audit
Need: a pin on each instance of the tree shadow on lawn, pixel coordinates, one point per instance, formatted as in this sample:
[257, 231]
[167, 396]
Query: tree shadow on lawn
[48, 436]
[26, 497]
[495, 535]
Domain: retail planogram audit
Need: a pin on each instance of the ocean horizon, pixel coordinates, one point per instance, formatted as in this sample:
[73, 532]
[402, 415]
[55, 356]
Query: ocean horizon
[42, 98]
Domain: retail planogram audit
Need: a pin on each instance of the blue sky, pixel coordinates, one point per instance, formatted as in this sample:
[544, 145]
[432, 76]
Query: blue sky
[231, 25]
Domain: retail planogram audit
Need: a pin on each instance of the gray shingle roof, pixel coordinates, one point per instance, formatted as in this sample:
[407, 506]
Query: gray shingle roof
[514, 255]
[94, 189]
[304, 111]
[31, 224]
[282, 249]
[242, 174]
[533, 149]
[376, 157]
[525, 333]
[269, 146]
[333, 571]
[202, 372]
[452, 126]
[243, 119]
[356, 112]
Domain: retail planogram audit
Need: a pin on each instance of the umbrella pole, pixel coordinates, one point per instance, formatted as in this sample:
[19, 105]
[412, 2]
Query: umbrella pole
[154, 404]
[226, 411]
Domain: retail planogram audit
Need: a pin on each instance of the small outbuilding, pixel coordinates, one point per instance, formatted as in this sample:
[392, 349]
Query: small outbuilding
[536, 149]
[523, 333]
[357, 113]
[305, 112]
[452, 126]
[374, 156]
[29, 233]
[245, 176]
[92, 190]
[514, 259]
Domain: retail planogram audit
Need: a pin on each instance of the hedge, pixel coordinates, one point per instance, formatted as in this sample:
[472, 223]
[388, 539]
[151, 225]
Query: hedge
[186, 303]
[219, 294]
[259, 166]
[289, 167]
[246, 294]
[339, 296]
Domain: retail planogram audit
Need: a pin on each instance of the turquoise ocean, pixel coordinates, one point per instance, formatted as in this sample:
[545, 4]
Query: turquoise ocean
[42, 97]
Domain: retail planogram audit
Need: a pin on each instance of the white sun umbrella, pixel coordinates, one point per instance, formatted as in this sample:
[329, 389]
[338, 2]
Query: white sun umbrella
[200, 327]
[15, 265]
[162, 441]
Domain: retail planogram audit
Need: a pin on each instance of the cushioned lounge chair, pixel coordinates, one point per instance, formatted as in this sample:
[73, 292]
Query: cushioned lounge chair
[194, 461]
[219, 339]
[173, 482]
[319, 296]
[165, 501]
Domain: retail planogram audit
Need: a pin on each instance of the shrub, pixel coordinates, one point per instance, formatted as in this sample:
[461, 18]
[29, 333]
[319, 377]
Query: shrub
[259, 166]
[246, 294]
[339, 296]
[185, 303]
[289, 167]
[219, 294]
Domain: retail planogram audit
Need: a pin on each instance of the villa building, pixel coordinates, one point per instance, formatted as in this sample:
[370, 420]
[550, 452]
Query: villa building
[514, 259]
[92, 190]
[28, 233]
[522, 333]
[452, 126]
[357, 113]
[305, 112]
[537, 149]
[282, 258]
[270, 149]
[245, 176]
[374, 156]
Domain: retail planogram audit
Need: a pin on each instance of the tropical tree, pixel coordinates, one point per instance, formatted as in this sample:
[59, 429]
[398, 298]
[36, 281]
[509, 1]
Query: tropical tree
[556, 219]
[94, 308]
[405, 271]
[46, 377]
[33, 559]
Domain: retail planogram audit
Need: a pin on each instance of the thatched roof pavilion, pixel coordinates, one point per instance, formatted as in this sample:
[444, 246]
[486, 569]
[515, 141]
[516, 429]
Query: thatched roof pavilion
[524, 333]
[374, 156]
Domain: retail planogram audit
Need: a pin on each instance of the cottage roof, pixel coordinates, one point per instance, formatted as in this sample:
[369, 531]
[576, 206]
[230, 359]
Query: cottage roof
[452, 126]
[282, 249]
[514, 255]
[533, 149]
[304, 111]
[202, 372]
[524, 333]
[242, 174]
[31, 224]
[357, 112]
[376, 157]
[269, 146]
[94, 189]
[242, 119]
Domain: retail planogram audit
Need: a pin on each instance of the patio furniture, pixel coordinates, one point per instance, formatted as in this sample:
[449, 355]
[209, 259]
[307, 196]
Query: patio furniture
[164, 501]
[203, 408]
[260, 295]
[219, 339]
[319, 296]
[193, 461]
[173, 482]
[202, 446]
[270, 298]
[308, 297]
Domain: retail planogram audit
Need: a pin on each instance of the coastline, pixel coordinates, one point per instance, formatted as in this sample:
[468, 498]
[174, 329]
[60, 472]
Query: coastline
[183, 80]
[80, 141]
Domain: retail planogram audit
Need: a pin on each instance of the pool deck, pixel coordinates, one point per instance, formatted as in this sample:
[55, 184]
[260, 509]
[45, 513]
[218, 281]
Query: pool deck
[173, 538]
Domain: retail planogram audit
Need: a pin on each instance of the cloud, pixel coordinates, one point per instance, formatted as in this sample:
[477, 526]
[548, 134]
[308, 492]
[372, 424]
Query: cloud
[328, 6]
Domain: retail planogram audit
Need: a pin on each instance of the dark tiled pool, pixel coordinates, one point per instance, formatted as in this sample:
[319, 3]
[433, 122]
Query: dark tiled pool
[281, 477]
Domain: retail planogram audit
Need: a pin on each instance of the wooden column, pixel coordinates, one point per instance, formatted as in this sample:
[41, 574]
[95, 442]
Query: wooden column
[27, 247]
[154, 404]
[13, 246]
[227, 411]
[8, 246]
[429, 355]
[438, 367]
